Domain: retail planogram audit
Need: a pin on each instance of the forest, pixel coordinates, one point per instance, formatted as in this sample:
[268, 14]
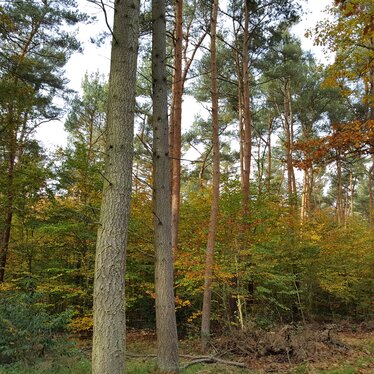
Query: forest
[240, 242]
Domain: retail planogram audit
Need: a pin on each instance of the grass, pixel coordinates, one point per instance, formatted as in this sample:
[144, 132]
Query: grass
[80, 365]
[61, 365]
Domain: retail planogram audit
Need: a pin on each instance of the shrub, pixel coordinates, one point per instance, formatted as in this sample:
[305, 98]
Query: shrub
[27, 327]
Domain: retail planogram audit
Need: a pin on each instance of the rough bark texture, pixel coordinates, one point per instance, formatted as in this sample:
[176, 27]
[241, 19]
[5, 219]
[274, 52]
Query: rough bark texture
[176, 124]
[166, 327]
[108, 353]
[206, 313]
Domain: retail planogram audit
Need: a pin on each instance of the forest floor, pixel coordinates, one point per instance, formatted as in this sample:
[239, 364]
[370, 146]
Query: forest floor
[288, 349]
[332, 349]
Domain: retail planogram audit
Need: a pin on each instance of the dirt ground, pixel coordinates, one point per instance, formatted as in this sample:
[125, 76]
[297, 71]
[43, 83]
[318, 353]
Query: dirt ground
[314, 348]
[289, 348]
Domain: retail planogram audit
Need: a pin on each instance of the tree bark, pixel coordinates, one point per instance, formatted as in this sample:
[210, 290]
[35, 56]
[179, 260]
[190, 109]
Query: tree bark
[108, 352]
[371, 198]
[247, 114]
[304, 196]
[352, 191]
[208, 276]
[7, 223]
[166, 327]
[339, 192]
[270, 130]
[176, 125]
[288, 117]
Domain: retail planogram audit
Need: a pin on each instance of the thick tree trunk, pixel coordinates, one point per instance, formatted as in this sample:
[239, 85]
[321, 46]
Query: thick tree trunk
[176, 124]
[208, 276]
[108, 352]
[166, 327]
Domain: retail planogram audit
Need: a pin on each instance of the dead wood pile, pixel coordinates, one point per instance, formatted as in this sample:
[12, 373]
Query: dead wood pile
[288, 343]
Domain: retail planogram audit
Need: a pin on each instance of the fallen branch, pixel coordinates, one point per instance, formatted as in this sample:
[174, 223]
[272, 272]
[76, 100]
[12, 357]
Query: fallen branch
[196, 360]
[135, 355]
[213, 360]
[199, 361]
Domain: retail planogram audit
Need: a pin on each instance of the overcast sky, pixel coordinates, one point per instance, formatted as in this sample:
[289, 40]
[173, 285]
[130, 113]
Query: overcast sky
[97, 59]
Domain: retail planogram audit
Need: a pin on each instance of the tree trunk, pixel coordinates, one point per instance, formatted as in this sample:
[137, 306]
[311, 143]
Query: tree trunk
[208, 276]
[5, 236]
[352, 190]
[288, 117]
[6, 224]
[166, 327]
[339, 197]
[304, 196]
[371, 197]
[247, 115]
[176, 125]
[108, 352]
[270, 130]
[240, 117]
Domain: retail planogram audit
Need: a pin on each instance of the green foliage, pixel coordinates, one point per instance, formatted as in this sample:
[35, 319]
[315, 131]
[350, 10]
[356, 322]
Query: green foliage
[28, 328]
[58, 364]
[270, 265]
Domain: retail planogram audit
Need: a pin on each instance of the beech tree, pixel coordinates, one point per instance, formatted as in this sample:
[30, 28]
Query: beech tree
[108, 352]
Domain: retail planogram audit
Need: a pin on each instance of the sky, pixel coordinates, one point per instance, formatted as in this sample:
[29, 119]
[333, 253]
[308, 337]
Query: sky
[93, 59]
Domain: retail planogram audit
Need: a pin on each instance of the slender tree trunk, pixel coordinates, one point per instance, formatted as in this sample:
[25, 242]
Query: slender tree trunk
[370, 117]
[304, 196]
[371, 197]
[5, 236]
[240, 115]
[14, 125]
[288, 116]
[339, 197]
[260, 167]
[176, 124]
[108, 352]
[270, 128]
[239, 68]
[351, 189]
[166, 327]
[309, 189]
[247, 115]
[6, 224]
[208, 276]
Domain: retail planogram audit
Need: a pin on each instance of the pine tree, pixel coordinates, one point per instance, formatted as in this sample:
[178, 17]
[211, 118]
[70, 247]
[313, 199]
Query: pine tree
[35, 47]
[108, 351]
